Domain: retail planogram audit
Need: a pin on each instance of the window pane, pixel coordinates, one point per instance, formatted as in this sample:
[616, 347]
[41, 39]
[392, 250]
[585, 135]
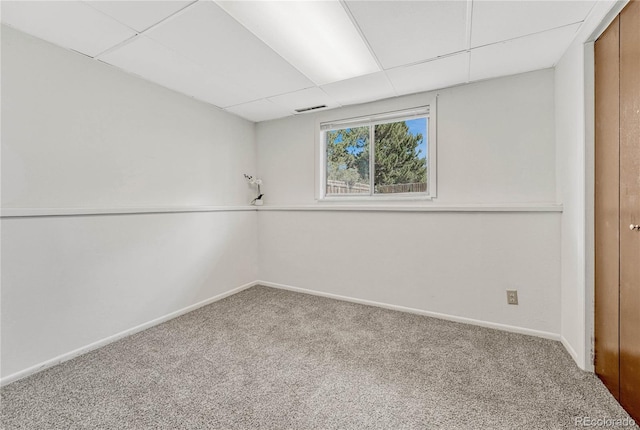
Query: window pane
[401, 157]
[348, 161]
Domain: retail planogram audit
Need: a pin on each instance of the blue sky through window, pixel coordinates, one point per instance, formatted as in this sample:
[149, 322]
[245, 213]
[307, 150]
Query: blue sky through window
[416, 126]
[419, 126]
[355, 150]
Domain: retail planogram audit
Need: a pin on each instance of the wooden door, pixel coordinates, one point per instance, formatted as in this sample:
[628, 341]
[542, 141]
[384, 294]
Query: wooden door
[630, 208]
[617, 211]
[607, 205]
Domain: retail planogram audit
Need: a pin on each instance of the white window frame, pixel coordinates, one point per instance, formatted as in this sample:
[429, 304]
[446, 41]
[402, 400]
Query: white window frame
[426, 111]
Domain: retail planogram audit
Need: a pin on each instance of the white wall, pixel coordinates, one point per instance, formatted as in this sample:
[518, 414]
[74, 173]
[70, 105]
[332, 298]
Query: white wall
[68, 282]
[496, 144]
[458, 264]
[571, 191]
[79, 134]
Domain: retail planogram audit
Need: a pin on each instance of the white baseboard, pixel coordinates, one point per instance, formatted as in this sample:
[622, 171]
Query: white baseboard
[481, 323]
[107, 340]
[77, 352]
[572, 353]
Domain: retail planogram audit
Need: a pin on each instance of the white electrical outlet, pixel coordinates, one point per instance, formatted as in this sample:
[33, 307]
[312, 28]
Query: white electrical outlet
[512, 297]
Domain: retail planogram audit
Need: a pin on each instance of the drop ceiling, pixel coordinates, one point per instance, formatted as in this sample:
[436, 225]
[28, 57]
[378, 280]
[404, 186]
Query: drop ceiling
[226, 54]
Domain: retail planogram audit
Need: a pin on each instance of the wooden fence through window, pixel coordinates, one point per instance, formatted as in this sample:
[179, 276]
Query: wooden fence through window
[341, 187]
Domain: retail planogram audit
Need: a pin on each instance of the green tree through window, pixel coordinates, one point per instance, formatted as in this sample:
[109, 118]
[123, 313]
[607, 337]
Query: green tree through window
[400, 158]
[348, 156]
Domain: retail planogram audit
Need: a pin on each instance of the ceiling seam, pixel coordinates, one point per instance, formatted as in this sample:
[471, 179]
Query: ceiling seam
[138, 33]
[360, 32]
[346, 8]
[215, 2]
[468, 45]
[116, 46]
[578, 30]
[144, 78]
[468, 50]
[163, 20]
[271, 96]
[526, 35]
[429, 60]
[190, 60]
[89, 3]
[468, 26]
[469, 29]
[393, 87]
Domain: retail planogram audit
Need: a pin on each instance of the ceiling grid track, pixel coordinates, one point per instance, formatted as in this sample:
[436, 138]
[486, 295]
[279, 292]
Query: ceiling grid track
[245, 59]
[138, 33]
[364, 37]
[468, 36]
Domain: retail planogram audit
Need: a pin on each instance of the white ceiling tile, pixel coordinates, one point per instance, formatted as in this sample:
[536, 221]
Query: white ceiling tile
[70, 24]
[302, 99]
[259, 110]
[297, 30]
[494, 21]
[362, 89]
[432, 75]
[404, 32]
[205, 53]
[154, 62]
[140, 14]
[520, 55]
[209, 36]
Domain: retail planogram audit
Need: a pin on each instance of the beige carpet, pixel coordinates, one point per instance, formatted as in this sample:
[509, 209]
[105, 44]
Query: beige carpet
[272, 359]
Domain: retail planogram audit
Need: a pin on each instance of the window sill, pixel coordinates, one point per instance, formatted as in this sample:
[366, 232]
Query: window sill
[348, 199]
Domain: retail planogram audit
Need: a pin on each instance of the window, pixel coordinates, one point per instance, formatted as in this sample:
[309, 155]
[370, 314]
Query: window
[388, 155]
